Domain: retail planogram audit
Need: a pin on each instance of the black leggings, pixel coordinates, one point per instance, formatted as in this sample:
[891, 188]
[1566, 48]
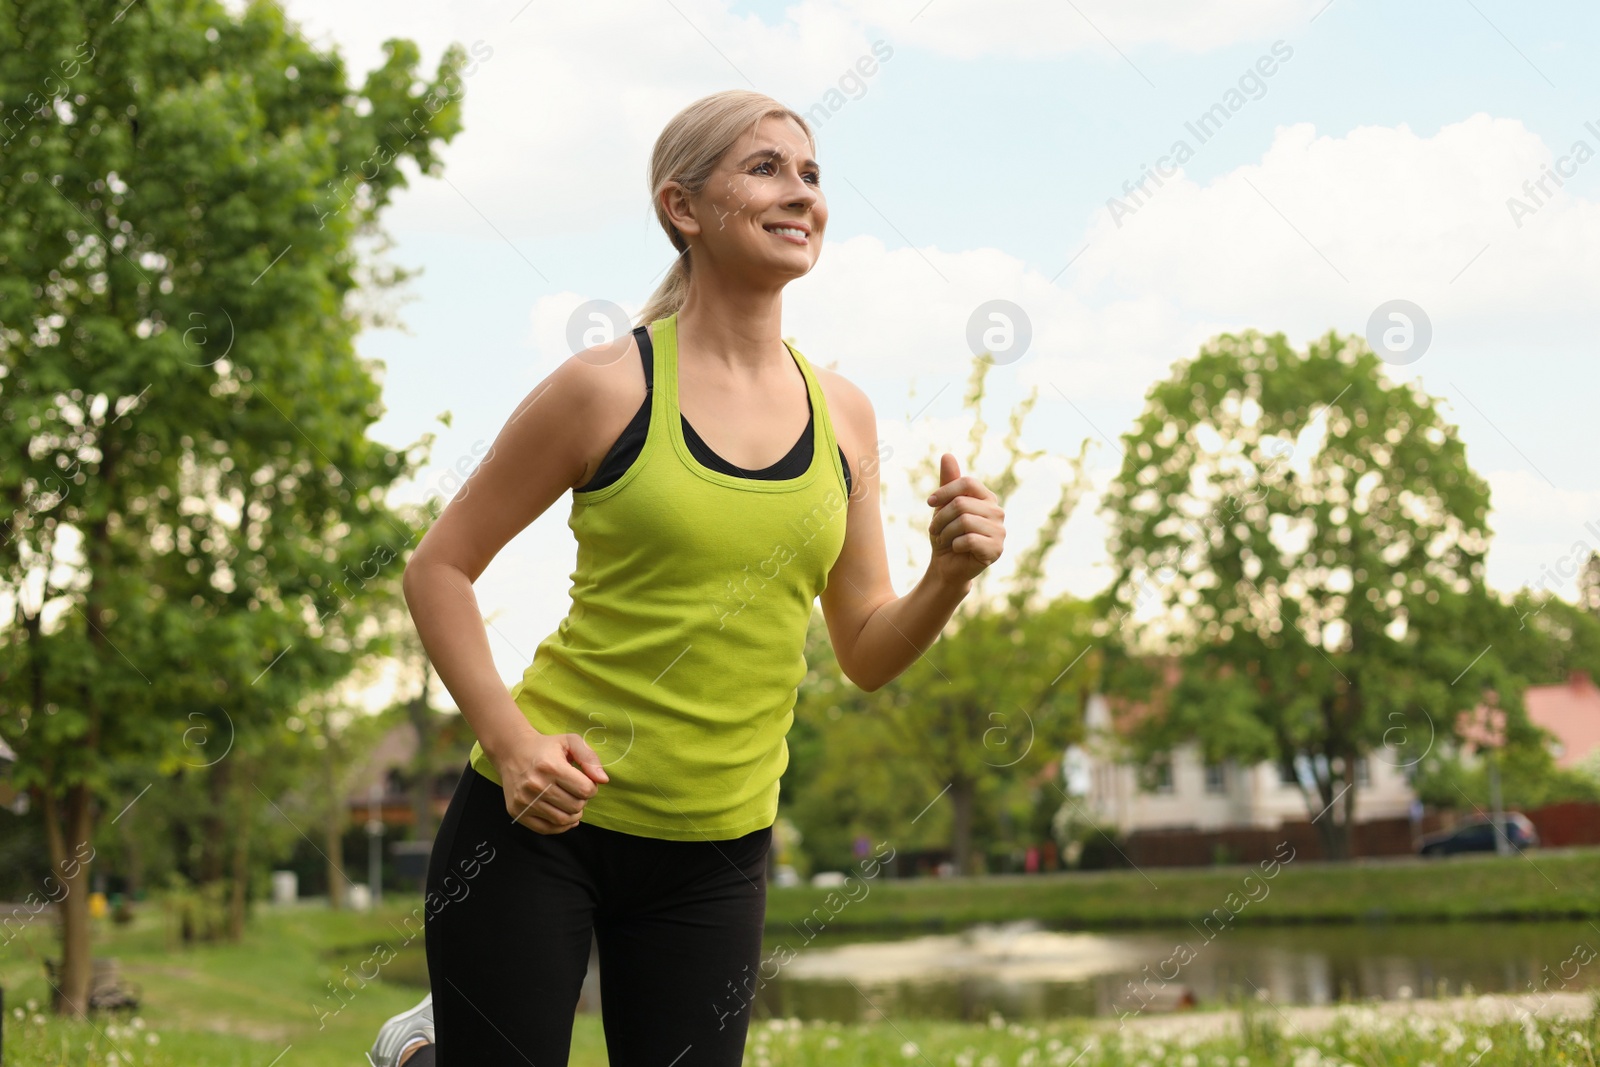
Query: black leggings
[509, 918]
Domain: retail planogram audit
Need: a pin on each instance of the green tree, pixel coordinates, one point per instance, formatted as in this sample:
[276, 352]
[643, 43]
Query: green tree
[191, 506]
[1312, 540]
[1549, 639]
[980, 712]
[1589, 585]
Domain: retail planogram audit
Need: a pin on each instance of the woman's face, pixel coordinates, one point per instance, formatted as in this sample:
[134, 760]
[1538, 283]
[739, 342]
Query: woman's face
[763, 206]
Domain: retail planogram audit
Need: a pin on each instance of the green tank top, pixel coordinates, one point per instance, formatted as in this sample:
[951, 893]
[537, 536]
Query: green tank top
[680, 658]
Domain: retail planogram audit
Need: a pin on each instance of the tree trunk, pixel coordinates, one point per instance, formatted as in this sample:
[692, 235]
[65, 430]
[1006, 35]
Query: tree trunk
[68, 829]
[1336, 840]
[241, 871]
[133, 858]
[333, 831]
[963, 800]
[422, 767]
[1333, 816]
[212, 847]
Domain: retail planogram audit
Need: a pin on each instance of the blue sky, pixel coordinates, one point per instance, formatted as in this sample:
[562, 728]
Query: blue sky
[976, 163]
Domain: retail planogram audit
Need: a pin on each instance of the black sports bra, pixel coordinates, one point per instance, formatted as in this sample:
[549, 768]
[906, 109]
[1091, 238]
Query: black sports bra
[631, 441]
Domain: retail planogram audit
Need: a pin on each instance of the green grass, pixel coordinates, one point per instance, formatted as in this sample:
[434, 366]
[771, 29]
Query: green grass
[1358, 1038]
[1554, 884]
[234, 1005]
[249, 1004]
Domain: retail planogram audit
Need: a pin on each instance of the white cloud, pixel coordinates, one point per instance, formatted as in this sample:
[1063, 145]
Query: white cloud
[1399, 214]
[1396, 213]
[560, 90]
[567, 101]
[1542, 533]
[967, 29]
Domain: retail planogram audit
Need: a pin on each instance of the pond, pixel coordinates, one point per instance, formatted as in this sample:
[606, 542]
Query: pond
[1024, 971]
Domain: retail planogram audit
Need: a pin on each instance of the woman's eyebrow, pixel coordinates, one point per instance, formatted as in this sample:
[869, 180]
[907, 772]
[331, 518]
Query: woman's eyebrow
[775, 151]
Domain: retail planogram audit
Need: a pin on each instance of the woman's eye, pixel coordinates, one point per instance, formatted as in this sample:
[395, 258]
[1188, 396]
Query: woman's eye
[816, 178]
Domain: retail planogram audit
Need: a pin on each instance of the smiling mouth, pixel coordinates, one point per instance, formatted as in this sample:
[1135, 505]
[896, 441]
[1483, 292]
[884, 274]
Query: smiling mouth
[789, 233]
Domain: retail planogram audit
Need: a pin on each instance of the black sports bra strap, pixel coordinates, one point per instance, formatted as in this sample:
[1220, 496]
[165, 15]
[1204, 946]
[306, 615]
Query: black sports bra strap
[646, 355]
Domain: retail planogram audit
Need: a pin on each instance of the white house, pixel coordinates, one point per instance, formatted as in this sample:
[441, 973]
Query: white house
[1183, 792]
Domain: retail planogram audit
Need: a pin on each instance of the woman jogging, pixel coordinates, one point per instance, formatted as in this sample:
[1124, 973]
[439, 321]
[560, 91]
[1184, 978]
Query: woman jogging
[626, 787]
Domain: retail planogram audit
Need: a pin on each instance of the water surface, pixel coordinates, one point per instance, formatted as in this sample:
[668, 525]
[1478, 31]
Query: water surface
[1024, 971]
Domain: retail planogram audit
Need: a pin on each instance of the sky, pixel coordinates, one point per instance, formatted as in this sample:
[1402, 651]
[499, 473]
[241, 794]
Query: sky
[981, 150]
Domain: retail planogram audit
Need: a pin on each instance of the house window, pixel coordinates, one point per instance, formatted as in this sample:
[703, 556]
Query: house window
[1363, 771]
[1156, 777]
[1216, 778]
[1287, 774]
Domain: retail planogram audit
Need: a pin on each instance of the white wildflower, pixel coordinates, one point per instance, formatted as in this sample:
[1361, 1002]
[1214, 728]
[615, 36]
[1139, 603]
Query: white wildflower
[1309, 1056]
[909, 1049]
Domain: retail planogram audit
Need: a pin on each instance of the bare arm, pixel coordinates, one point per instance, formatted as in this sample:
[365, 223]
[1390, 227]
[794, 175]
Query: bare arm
[540, 453]
[877, 635]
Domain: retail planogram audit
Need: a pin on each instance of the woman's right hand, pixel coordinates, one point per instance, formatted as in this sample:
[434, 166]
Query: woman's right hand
[544, 791]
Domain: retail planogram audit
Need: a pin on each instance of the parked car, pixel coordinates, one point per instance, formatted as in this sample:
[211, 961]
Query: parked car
[1477, 835]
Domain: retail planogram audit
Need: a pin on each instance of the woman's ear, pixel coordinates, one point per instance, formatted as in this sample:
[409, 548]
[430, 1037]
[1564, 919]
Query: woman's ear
[680, 210]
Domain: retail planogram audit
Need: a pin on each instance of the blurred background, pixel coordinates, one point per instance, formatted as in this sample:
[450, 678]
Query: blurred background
[1271, 322]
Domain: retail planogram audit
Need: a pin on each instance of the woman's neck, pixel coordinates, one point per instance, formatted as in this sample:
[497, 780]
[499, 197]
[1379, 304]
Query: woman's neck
[737, 333]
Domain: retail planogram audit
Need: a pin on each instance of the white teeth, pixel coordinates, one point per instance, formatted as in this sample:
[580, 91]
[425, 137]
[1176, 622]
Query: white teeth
[788, 230]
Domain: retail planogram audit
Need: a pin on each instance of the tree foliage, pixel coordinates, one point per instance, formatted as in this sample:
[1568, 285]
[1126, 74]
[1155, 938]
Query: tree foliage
[948, 746]
[192, 508]
[1311, 540]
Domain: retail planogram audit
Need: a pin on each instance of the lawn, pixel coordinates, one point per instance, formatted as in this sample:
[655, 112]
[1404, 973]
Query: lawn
[236, 1005]
[267, 1001]
[1552, 884]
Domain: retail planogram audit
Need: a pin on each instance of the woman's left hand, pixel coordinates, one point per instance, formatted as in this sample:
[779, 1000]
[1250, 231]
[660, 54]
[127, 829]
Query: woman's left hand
[968, 528]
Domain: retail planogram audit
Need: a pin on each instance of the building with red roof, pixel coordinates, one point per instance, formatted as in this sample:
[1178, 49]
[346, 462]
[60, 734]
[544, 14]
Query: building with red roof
[1571, 712]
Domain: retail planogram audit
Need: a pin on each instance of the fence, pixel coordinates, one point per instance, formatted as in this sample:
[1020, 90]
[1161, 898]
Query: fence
[1559, 825]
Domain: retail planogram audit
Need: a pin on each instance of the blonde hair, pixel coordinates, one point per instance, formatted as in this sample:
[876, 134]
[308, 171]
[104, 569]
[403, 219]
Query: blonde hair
[686, 152]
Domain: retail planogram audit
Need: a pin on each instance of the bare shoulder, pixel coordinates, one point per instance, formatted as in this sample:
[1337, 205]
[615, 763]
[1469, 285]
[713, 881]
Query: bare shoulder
[854, 422]
[553, 441]
[593, 395]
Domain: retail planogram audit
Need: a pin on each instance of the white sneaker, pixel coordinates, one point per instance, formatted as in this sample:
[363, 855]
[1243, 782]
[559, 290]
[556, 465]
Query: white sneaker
[400, 1031]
